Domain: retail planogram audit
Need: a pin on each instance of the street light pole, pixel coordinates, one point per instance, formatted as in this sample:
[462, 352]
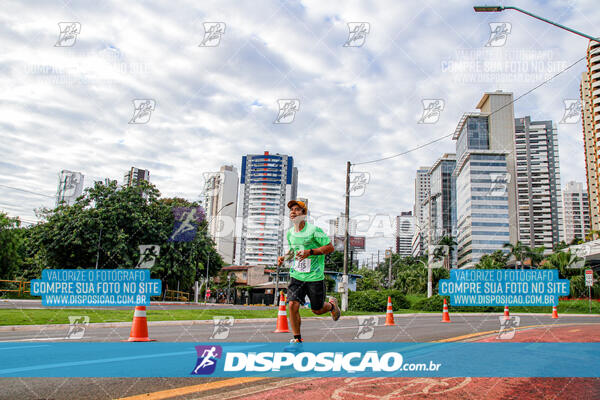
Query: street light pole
[346, 240]
[502, 8]
[228, 287]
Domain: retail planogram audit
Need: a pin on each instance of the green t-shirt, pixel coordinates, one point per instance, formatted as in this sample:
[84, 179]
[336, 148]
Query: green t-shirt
[311, 237]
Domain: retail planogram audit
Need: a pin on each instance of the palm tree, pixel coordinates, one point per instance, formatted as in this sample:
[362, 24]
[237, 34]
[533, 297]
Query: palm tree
[517, 250]
[495, 260]
[562, 261]
[450, 242]
[535, 255]
[591, 235]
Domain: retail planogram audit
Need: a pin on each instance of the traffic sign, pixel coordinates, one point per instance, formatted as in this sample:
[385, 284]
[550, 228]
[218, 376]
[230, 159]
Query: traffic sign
[589, 277]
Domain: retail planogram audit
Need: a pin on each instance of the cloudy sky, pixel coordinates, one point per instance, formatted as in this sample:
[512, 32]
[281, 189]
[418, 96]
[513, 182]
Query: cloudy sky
[68, 104]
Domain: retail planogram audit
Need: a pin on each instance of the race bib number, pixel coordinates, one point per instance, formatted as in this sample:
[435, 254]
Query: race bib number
[302, 266]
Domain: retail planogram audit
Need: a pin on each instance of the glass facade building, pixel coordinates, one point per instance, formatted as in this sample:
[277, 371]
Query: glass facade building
[482, 178]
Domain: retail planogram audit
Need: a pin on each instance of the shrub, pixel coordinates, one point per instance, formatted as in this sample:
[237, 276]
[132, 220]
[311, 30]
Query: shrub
[436, 302]
[374, 300]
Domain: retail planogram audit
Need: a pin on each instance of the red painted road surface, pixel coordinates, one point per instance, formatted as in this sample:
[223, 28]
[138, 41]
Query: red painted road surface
[457, 388]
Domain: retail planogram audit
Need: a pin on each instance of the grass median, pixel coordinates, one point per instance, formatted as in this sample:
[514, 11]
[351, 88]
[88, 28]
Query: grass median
[46, 316]
[61, 316]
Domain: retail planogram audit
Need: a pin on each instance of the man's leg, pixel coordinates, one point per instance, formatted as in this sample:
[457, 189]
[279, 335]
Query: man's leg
[295, 317]
[316, 294]
[327, 307]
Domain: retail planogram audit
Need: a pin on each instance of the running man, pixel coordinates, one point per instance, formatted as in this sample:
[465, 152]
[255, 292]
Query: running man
[309, 244]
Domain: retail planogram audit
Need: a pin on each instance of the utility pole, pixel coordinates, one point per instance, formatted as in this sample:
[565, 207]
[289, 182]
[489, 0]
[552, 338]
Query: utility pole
[98, 247]
[388, 254]
[429, 272]
[206, 286]
[275, 295]
[346, 240]
[377, 257]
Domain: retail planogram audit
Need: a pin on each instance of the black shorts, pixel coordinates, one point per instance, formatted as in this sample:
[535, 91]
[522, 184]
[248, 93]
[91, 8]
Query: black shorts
[298, 290]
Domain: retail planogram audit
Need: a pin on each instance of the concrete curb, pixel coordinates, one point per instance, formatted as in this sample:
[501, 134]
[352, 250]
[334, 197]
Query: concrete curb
[14, 328]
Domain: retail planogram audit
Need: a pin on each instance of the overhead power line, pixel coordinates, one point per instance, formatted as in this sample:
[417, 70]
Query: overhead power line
[445, 136]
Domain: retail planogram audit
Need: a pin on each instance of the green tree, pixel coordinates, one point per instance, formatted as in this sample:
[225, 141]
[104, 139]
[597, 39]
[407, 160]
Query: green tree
[562, 261]
[107, 224]
[371, 280]
[440, 254]
[518, 251]
[335, 261]
[535, 255]
[497, 259]
[11, 246]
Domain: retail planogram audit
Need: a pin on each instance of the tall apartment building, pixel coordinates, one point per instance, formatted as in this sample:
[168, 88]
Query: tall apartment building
[135, 176]
[267, 183]
[590, 109]
[442, 201]
[337, 226]
[420, 210]
[221, 189]
[485, 193]
[538, 183]
[405, 230]
[576, 212]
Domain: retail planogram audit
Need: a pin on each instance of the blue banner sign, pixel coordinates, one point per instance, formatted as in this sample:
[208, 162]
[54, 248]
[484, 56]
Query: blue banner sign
[95, 287]
[221, 359]
[504, 287]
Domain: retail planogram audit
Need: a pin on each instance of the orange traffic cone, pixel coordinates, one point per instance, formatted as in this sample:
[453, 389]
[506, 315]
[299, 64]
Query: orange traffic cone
[554, 312]
[445, 315]
[389, 314]
[506, 313]
[282, 322]
[139, 328]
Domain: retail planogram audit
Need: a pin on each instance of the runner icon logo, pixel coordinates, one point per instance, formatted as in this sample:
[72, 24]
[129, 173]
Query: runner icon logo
[499, 32]
[207, 359]
[77, 326]
[508, 327]
[366, 327]
[223, 325]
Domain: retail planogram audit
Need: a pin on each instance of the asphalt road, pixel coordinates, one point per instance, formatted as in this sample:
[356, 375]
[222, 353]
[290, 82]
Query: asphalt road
[412, 328]
[418, 328]
[37, 304]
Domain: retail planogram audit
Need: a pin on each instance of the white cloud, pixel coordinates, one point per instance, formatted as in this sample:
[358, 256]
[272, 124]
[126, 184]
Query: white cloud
[69, 107]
